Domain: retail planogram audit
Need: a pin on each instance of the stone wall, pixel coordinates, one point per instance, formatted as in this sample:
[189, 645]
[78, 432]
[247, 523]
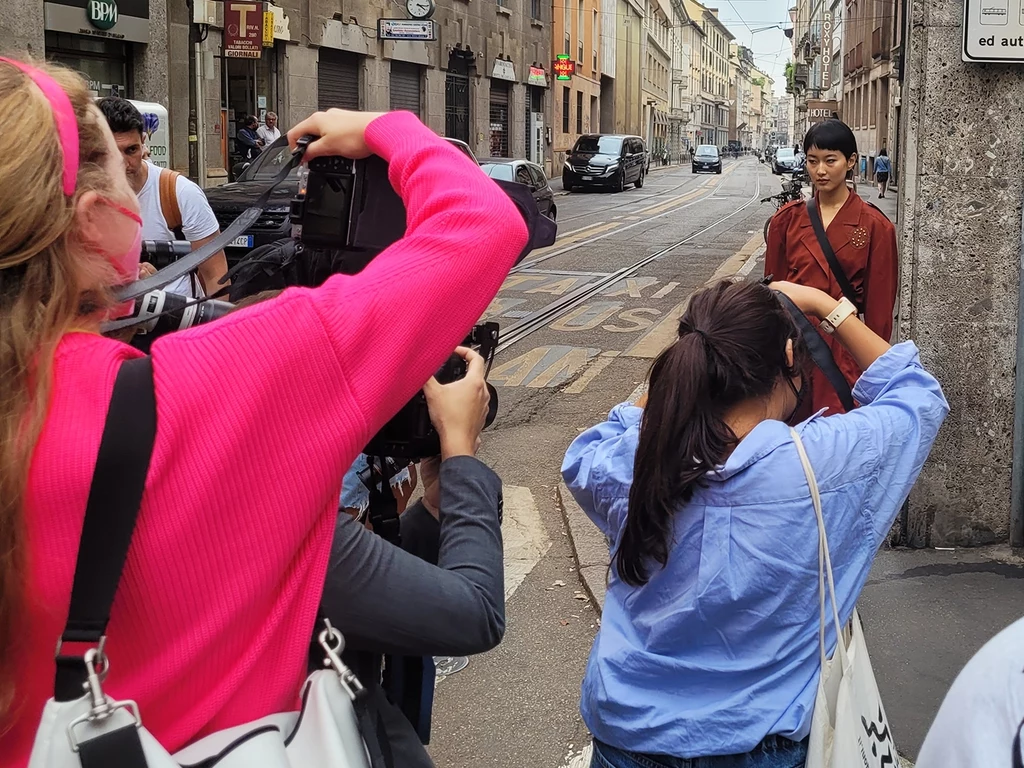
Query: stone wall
[21, 29]
[960, 241]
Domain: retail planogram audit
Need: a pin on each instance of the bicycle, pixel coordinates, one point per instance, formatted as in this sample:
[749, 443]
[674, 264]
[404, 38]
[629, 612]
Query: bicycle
[791, 190]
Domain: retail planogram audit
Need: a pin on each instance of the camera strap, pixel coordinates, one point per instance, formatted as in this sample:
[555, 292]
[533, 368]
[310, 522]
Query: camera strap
[830, 255]
[188, 263]
[819, 352]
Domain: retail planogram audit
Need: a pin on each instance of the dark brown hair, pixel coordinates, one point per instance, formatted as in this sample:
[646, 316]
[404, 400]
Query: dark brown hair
[731, 347]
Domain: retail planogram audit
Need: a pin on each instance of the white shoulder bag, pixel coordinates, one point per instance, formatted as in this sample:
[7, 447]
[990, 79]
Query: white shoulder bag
[849, 728]
[82, 727]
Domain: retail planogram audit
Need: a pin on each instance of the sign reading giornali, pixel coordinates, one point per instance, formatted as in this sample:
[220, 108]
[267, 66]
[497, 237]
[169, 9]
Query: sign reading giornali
[993, 31]
[243, 30]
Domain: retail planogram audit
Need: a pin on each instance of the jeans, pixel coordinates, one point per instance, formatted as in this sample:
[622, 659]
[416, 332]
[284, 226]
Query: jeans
[773, 752]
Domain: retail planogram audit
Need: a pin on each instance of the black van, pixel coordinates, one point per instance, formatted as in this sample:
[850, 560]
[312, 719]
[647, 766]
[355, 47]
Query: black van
[599, 160]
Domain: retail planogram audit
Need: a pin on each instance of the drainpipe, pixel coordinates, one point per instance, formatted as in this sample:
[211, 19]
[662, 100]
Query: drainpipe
[1017, 480]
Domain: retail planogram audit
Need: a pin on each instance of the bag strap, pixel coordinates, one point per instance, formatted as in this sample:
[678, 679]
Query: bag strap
[826, 247]
[824, 558]
[110, 514]
[169, 198]
[819, 352]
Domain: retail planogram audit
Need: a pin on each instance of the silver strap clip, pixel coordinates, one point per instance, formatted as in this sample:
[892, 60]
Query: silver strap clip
[333, 643]
[97, 666]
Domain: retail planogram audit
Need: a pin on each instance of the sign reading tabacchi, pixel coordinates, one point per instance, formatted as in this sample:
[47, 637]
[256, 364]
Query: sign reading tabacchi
[993, 31]
[243, 30]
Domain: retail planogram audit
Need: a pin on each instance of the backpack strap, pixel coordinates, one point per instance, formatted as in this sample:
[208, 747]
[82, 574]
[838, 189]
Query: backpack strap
[114, 499]
[837, 269]
[169, 199]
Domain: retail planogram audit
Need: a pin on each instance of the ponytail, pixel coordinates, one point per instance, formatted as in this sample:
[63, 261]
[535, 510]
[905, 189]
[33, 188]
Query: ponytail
[731, 347]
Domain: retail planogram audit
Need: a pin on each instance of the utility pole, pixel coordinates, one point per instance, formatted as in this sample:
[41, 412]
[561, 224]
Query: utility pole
[193, 98]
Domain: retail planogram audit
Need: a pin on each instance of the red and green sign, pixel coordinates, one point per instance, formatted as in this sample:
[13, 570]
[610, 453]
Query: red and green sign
[564, 67]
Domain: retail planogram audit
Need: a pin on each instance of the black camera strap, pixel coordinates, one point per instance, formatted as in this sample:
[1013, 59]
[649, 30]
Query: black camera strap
[830, 255]
[110, 514]
[188, 263]
[819, 351]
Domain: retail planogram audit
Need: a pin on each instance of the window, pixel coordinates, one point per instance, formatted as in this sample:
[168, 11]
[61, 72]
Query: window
[567, 24]
[593, 38]
[535, 9]
[565, 110]
[579, 111]
[579, 34]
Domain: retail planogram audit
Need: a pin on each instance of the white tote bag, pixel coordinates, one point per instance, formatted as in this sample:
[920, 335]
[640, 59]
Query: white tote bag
[98, 731]
[849, 728]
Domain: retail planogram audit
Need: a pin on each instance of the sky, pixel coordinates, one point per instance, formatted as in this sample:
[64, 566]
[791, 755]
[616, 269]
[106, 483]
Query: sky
[772, 49]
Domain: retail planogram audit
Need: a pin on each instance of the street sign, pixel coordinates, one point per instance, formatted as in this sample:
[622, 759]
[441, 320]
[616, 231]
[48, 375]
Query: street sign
[243, 30]
[564, 67]
[817, 111]
[993, 31]
[406, 29]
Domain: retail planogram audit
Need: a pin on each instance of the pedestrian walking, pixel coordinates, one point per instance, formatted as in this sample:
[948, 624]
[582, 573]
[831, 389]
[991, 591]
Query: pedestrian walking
[838, 243]
[883, 167]
[708, 647]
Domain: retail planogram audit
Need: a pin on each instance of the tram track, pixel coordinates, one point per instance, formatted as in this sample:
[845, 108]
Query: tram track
[534, 322]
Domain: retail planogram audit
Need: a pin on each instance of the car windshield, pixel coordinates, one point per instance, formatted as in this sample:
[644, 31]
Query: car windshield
[270, 162]
[605, 145]
[785, 154]
[500, 171]
[707, 151]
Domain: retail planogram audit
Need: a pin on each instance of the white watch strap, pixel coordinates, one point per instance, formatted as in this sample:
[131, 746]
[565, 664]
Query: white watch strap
[838, 315]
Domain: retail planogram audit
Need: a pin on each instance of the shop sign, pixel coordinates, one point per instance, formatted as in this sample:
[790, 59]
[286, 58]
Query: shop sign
[538, 77]
[102, 14]
[564, 67]
[268, 29]
[817, 111]
[281, 29]
[243, 30]
[503, 70]
[826, 51]
[406, 29]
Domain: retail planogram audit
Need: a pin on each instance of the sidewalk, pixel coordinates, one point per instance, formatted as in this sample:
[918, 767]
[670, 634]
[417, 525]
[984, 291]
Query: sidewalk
[925, 613]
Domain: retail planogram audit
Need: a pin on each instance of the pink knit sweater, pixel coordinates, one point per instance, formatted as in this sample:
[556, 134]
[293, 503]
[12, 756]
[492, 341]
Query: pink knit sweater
[259, 415]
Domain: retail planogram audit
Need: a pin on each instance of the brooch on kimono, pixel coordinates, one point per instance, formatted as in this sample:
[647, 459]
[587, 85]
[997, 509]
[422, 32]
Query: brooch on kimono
[859, 237]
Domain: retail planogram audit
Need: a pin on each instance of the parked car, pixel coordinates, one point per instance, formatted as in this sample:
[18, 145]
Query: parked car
[707, 158]
[525, 172]
[786, 161]
[600, 160]
[229, 200]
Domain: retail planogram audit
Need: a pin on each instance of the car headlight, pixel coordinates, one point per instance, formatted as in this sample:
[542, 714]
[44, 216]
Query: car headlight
[612, 166]
[567, 166]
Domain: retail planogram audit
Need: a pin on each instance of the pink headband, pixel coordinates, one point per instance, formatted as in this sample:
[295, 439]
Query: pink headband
[63, 115]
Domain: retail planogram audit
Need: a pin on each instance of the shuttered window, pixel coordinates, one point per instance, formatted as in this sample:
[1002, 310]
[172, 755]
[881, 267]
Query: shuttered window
[499, 119]
[338, 79]
[405, 87]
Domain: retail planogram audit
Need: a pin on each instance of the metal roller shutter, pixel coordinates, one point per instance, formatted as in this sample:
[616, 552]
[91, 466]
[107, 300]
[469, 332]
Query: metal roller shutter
[405, 86]
[499, 119]
[338, 79]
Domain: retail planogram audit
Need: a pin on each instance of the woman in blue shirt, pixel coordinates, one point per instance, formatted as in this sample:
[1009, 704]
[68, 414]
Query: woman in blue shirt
[707, 654]
[883, 167]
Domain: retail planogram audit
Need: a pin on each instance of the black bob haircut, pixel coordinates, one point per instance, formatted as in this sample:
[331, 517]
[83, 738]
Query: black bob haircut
[831, 134]
[121, 114]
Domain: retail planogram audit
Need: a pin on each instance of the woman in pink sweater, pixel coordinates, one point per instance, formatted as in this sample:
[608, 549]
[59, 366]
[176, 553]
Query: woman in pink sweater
[258, 414]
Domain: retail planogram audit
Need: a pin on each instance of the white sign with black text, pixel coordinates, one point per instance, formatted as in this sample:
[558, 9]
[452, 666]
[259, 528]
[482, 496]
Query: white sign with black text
[993, 30]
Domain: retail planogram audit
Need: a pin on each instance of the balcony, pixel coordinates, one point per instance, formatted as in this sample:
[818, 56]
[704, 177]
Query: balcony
[801, 73]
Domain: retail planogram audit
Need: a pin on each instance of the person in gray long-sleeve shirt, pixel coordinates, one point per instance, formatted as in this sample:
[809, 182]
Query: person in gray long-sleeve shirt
[442, 593]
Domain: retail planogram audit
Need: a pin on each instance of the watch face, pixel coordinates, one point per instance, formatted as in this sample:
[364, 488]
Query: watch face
[419, 9]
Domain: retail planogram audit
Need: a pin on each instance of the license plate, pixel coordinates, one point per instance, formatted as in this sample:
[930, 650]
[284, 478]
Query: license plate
[588, 178]
[242, 241]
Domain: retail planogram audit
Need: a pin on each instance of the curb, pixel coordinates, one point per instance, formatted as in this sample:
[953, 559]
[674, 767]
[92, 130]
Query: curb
[589, 548]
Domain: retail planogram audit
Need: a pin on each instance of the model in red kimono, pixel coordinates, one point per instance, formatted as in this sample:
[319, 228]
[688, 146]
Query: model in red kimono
[862, 238]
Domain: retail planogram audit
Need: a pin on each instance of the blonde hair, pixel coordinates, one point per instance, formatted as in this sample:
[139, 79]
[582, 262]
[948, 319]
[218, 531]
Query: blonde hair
[47, 285]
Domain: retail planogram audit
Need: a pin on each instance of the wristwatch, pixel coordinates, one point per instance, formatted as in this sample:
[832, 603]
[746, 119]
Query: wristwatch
[838, 316]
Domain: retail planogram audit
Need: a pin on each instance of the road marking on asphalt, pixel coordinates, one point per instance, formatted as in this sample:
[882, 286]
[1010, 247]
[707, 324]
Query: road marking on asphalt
[580, 235]
[590, 374]
[524, 537]
[673, 201]
[652, 343]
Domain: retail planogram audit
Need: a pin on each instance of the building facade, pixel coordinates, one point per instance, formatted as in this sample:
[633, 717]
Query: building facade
[630, 54]
[485, 77]
[657, 75]
[741, 95]
[686, 82]
[714, 69]
[577, 109]
[867, 55]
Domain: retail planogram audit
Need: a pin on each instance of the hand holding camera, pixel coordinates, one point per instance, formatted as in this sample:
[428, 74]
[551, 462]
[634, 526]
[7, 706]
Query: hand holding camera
[458, 410]
[341, 132]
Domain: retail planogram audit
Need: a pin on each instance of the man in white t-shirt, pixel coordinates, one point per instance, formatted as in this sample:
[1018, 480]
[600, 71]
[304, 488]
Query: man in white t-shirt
[172, 207]
[269, 132]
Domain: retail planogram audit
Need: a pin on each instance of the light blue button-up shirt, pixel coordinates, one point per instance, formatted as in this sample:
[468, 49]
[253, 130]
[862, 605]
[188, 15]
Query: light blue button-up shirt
[720, 648]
